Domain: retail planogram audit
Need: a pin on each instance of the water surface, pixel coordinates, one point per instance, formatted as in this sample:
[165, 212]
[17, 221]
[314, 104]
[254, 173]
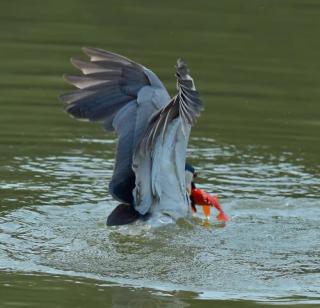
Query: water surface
[256, 145]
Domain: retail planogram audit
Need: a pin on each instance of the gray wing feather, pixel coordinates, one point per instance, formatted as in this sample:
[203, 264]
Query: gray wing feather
[186, 104]
[159, 160]
[114, 91]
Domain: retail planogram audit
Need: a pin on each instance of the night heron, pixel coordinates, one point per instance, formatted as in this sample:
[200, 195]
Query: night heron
[150, 176]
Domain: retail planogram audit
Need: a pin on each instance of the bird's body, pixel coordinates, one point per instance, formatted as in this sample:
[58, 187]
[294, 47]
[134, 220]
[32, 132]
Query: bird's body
[153, 130]
[166, 193]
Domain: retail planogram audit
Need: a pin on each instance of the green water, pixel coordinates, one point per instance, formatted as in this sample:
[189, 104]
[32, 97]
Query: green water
[256, 65]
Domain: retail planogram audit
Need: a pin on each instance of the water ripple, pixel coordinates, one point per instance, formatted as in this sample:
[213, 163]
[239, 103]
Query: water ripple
[269, 250]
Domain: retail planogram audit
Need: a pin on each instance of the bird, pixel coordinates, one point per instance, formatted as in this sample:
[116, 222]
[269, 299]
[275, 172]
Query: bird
[151, 179]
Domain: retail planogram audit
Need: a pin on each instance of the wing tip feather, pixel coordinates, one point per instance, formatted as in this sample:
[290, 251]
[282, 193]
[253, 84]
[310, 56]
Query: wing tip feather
[92, 52]
[67, 78]
[76, 63]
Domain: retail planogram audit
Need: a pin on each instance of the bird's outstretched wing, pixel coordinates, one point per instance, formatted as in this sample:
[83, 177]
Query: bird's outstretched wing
[159, 160]
[122, 95]
[186, 105]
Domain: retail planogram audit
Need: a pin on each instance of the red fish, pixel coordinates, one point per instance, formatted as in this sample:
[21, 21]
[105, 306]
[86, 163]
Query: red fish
[200, 197]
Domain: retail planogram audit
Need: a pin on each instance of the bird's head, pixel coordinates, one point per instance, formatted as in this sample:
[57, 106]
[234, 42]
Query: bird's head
[190, 177]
